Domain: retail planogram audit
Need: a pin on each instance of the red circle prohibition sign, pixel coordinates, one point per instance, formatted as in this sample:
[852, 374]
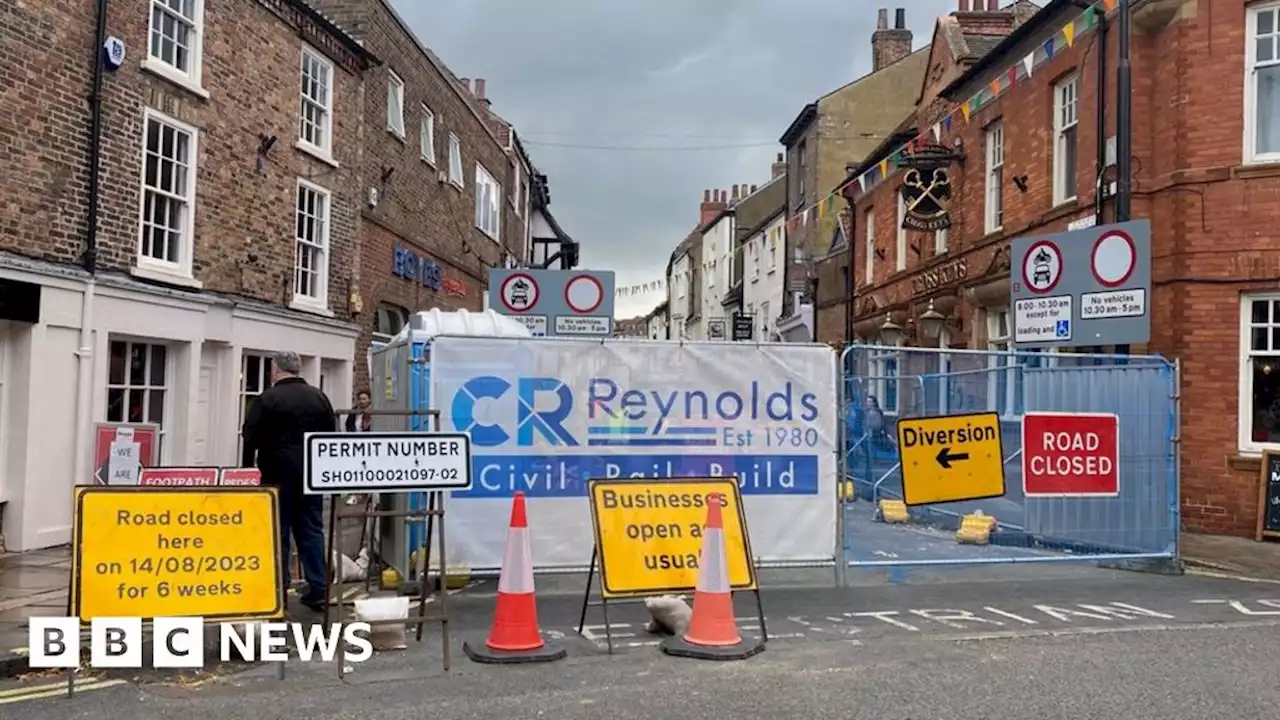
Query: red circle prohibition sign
[502, 291]
[599, 293]
[1026, 281]
[1133, 258]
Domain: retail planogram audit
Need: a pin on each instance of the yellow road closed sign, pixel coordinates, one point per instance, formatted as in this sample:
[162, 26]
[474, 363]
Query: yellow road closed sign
[176, 552]
[951, 458]
[649, 534]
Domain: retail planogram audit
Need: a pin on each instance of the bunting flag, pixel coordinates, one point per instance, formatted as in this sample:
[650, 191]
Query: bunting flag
[646, 288]
[1065, 37]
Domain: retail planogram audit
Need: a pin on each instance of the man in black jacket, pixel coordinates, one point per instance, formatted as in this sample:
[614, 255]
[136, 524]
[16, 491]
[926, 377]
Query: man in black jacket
[273, 437]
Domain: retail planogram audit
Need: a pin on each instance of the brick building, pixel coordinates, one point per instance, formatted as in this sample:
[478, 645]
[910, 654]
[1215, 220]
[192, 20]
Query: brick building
[840, 127]
[446, 184]
[144, 278]
[1205, 164]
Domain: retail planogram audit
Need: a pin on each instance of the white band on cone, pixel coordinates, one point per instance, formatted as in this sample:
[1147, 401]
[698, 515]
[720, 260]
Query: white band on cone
[517, 563]
[713, 571]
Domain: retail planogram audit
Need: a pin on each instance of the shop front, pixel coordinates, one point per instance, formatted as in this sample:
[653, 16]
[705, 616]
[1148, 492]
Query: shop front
[113, 350]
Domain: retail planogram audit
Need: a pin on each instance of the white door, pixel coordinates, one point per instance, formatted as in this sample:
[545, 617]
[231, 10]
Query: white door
[203, 421]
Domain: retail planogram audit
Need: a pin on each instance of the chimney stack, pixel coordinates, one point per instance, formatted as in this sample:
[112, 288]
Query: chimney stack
[735, 192]
[484, 99]
[466, 83]
[993, 5]
[713, 202]
[889, 45]
[779, 168]
[964, 5]
[753, 189]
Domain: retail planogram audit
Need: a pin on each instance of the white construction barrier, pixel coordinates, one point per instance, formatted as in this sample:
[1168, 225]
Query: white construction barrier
[546, 415]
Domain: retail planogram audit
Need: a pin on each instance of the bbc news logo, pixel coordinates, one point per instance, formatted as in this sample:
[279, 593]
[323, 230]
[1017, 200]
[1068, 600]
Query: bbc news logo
[179, 642]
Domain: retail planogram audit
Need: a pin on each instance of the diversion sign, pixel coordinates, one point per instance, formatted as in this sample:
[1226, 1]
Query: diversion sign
[649, 534]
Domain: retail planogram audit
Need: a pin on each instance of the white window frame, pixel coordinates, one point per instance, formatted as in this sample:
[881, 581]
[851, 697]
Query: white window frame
[319, 302]
[427, 135]
[455, 161]
[994, 148]
[1000, 367]
[264, 382]
[882, 376]
[869, 224]
[774, 234]
[323, 149]
[488, 204]
[395, 104]
[1066, 117]
[1251, 67]
[1248, 355]
[900, 262]
[180, 269]
[167, 387]
[6, 334]
[517, 179]
[191, 77]
[941, 240]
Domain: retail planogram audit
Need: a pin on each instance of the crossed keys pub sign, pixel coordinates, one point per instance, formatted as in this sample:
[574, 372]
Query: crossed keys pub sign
[926, 188]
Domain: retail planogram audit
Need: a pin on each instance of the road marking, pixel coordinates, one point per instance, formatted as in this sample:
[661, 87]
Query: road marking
[1229, 576]
[954, 618]
[884, 615]
[1066, 632]
[38, 692]
[1011, 616]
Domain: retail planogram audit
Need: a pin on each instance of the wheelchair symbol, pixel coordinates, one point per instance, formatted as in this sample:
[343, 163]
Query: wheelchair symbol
[1063, 329]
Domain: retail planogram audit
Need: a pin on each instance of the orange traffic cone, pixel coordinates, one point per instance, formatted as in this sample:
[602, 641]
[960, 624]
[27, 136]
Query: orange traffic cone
[514, 636]
[713, 633]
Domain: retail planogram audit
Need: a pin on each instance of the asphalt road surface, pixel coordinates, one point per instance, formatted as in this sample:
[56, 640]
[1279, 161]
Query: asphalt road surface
[1101, 645]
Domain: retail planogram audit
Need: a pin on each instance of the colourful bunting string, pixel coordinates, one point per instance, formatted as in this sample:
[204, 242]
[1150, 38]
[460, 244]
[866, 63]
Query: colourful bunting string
[641, 289]
[1087, 21]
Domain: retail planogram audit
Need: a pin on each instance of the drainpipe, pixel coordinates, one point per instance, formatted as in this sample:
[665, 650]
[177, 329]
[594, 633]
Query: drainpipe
[1124, 117]
[81, 474]
[1101, 132]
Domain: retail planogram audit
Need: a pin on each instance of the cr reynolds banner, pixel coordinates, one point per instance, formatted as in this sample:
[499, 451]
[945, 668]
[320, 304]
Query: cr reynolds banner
[545, 416]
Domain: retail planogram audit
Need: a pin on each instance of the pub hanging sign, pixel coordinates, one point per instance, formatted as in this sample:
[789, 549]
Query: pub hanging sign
[926, 188]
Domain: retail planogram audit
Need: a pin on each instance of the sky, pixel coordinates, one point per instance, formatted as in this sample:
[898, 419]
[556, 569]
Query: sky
[633, 107]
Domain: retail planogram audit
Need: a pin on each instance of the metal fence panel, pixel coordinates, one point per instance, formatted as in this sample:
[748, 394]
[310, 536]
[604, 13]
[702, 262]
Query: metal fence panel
[884, 384]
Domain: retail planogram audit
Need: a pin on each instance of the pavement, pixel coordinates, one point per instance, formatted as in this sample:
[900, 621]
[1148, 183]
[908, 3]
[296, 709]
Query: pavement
[1094, 644]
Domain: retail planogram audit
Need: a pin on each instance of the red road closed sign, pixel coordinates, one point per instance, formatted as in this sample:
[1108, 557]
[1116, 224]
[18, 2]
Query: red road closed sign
[1070, 455]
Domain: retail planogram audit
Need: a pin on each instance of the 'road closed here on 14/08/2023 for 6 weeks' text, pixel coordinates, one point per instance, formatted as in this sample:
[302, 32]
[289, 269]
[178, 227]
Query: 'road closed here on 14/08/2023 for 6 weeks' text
[156, 552]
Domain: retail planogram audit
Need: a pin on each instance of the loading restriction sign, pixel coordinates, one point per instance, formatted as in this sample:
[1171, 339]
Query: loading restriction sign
[519, 293]
[1042, 267]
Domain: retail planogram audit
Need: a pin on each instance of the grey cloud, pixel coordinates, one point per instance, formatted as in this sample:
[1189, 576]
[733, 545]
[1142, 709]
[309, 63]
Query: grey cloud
[653, 74]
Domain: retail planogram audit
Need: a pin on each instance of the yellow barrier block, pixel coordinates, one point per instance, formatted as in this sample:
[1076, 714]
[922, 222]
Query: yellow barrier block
[847, 491]
[456, 577]
[894, 511]
[976, 529]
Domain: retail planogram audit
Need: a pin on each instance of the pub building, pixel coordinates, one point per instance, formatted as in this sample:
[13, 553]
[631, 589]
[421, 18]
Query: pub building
[934, 208]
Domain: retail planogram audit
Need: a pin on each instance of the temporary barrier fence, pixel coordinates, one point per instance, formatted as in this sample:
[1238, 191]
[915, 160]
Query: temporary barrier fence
[884, 386]
[545, 415]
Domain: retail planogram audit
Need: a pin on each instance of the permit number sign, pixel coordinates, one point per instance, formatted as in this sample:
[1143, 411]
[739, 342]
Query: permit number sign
[336, 463]
[173, 552]
[649, 534]
[950, 458]
[1070, 455]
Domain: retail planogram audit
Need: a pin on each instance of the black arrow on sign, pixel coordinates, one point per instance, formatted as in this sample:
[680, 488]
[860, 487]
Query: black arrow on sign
[945, 456]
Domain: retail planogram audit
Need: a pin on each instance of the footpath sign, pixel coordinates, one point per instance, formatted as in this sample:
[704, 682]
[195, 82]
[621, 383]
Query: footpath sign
[1070, 455]
[1083, 288]
[950, 458]
[339, 463]
[649, 534]
[573, 303]
[199, 477]
[159, 552]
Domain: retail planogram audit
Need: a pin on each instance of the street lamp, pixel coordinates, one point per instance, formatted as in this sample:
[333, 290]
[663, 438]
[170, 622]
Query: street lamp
[890, 332]
[931, 322]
